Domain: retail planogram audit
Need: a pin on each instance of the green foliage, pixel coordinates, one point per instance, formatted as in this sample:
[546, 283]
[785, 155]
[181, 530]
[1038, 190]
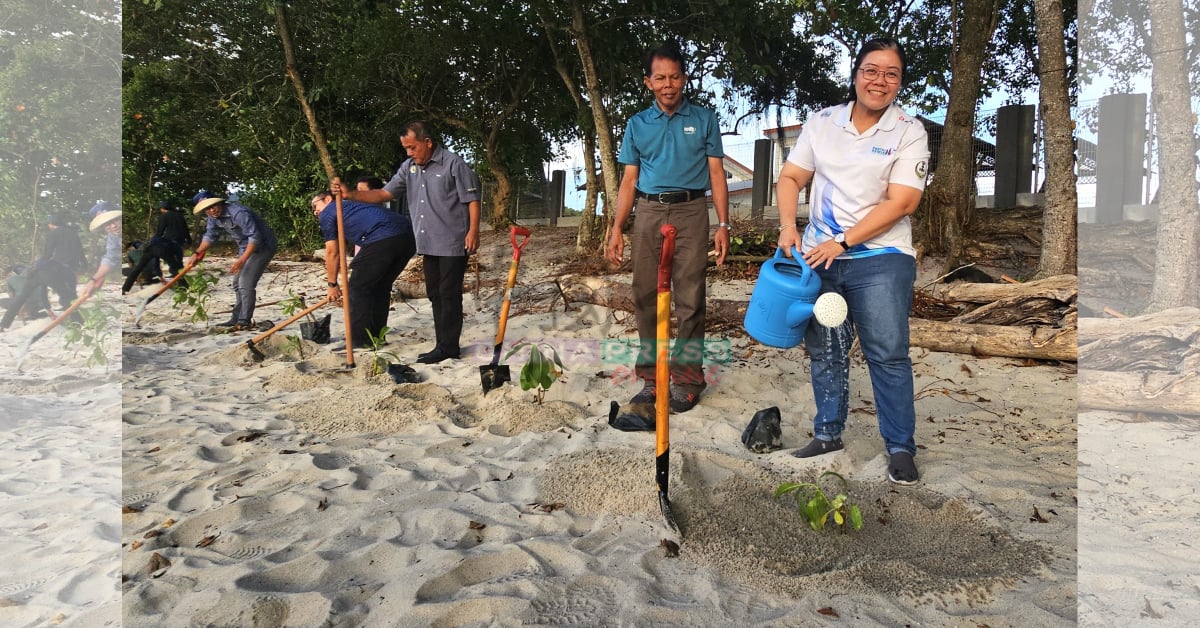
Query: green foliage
[93, 332]
[541, 370]
[380, 359]
[194, 298]
[293, 304]
[293, 345]
[816, 507]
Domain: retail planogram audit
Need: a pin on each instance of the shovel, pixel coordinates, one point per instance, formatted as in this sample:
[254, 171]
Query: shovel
[344, 276]
[54, 323]
[167, 286]
[662, 378]
[495, 374]
[258, 355]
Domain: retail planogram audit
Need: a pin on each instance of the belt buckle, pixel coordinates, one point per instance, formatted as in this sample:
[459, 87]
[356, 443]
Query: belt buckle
[661, 196]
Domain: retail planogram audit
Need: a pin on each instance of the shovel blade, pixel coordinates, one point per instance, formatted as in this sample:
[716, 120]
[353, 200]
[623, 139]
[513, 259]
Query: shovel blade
[255, 354]
[493, 376]
[664, 507]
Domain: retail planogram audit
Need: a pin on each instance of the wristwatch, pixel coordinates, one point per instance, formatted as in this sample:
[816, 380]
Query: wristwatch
[722, 225]
[841, 239]
[332, 284]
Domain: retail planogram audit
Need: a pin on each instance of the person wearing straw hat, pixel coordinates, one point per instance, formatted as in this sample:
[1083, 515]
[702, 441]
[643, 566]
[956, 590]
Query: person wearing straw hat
[57, 268]
[107, 221]
[256, 246]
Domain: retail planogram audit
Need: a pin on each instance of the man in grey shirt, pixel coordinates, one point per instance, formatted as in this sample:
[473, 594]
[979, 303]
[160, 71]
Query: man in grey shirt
[256, 246]
[443, 202]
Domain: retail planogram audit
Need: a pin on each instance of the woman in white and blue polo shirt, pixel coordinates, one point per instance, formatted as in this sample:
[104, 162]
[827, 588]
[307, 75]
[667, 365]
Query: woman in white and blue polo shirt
[866, 162]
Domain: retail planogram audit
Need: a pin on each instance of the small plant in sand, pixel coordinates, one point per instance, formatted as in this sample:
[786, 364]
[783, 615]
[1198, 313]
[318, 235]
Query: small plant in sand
[294, 303]
[540, 372]
[816, 507]
[380, 359]
[293, 345]
[92, 332]
[195, 296]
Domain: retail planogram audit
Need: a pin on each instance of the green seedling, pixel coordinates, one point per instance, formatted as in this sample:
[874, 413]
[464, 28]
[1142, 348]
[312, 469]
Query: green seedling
[194, 298]
[294, 303]
[93, 332]
[293, 344]
[816, 507]
[380, 359]
[540, 371]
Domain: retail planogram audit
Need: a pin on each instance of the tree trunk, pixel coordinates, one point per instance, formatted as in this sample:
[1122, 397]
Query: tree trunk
[1060, 217]
[591, 231]
[948, 204]
[604, 136]
[1177, 255]
[591, 224]
[289, 56]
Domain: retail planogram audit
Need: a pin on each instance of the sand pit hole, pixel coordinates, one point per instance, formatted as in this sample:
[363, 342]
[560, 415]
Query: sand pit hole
[914, 543]
[359, 409]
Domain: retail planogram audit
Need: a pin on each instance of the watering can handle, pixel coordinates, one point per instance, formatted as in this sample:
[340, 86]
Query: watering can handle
[795, 253]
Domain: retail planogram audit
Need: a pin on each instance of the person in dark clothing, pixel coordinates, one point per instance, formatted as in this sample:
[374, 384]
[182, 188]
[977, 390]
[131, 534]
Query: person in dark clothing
[172, 225]
[57, 268]
[386, 244]
[158, 249]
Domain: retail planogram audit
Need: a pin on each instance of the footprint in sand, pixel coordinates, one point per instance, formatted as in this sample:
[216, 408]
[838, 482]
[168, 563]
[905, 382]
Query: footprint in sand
[269, 612]
[498, 567]
[589, 601]
[331, 461]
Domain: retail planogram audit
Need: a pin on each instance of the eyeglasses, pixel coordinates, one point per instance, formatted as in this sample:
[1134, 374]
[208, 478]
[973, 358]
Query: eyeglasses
[889, 76]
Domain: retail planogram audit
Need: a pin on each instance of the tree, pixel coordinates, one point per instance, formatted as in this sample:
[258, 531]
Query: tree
[948, 202]
[1059, 222]
[1178, 239]
[59, 72]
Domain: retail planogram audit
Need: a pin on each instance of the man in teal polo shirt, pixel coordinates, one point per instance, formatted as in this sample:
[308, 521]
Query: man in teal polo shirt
[672, 154]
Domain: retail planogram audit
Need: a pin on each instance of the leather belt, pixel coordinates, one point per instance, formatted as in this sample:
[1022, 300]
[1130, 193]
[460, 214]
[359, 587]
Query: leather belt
[667, 198]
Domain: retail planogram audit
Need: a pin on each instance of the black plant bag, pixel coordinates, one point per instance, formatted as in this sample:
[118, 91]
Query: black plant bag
[316, 331]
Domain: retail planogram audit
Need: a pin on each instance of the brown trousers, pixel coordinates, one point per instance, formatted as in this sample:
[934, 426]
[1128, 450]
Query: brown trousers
[688, 287]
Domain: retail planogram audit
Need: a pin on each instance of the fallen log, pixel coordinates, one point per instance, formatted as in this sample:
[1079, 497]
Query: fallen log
[1092, 329]
[1036, 342]
[1147, 391]
[1062, 288]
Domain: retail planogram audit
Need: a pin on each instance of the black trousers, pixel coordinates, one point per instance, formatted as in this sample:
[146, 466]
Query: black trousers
[444, 285]
[45, 274]
[376, 267]
[151, 254]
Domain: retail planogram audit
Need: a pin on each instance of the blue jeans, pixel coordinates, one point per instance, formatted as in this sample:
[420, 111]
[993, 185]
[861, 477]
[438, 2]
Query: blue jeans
[878, 291]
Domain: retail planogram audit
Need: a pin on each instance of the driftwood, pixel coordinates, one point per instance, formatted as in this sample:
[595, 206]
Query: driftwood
[1037, 342]
[1060, 287]
[1147, 363]
[1147, 391]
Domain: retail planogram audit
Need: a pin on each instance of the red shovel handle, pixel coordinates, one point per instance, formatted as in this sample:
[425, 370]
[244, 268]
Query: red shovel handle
[513, 232]
[664, 260]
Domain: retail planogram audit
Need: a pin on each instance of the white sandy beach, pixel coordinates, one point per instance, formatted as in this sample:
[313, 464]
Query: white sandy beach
[292, 493]
[60, 480]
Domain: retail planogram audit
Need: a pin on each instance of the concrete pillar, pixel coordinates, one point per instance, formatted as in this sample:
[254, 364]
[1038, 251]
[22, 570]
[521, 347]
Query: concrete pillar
[1120, 155]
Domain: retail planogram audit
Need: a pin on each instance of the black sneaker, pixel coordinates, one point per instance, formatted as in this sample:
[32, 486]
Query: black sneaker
[818, 447]
[683, 400]
[646, 395]
[902, 469]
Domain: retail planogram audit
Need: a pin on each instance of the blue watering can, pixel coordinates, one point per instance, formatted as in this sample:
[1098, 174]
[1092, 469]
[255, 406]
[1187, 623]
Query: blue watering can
[782, 302]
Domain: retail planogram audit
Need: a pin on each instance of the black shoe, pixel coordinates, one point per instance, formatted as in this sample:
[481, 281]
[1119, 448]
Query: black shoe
[902, 469]
[818, 447]
[647, 395]
[631, 418]
[435, 356]
[683, 399]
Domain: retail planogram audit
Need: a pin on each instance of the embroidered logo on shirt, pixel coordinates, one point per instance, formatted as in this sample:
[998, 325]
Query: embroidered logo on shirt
[921, 169]
[879, 150]
[412, 169]
[689, 130]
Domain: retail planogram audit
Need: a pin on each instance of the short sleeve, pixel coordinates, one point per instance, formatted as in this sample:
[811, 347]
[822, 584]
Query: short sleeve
[912, 161]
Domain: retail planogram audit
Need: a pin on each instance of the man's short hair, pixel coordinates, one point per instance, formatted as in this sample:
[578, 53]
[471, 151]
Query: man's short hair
[668, 50]
[421, 130]
[373, 183]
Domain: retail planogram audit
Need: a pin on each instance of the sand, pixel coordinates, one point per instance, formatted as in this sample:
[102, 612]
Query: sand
[295, 492]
